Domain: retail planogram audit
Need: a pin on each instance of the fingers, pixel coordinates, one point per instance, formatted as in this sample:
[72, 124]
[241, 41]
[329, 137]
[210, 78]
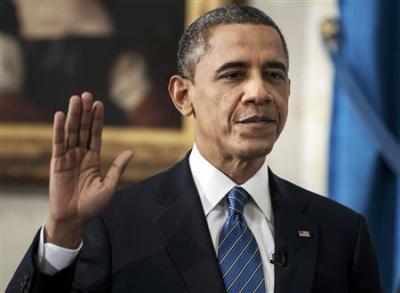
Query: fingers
[84, 123]
[73, 121]
[85, 120]
[58, 142]
[96, 127]
[117, 168]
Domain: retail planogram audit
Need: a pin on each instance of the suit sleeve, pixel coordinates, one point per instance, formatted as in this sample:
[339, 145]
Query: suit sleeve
[365, 272]
[90, 272]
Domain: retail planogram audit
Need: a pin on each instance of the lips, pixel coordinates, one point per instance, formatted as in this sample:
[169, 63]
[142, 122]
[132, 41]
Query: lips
[256, 119]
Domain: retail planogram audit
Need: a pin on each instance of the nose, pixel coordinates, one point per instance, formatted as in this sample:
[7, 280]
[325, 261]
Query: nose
[256, 91]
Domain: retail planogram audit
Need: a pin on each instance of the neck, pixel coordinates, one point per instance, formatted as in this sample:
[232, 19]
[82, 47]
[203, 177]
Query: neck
[238, 169]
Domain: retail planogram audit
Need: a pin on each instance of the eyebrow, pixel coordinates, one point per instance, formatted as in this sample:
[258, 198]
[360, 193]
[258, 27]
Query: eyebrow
[231, 65]
[275, 65]
[242, 64]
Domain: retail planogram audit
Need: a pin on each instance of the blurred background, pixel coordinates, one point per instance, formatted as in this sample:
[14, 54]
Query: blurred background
[342, 135]
[54, 49]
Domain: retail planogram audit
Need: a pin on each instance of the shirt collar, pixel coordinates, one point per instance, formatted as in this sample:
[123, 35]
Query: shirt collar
[212, 185]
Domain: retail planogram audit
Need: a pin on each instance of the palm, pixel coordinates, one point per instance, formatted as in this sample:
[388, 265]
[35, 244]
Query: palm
[78, 192]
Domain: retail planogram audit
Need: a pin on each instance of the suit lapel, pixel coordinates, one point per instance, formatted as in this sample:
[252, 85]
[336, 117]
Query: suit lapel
[183, 229]
[296, 235]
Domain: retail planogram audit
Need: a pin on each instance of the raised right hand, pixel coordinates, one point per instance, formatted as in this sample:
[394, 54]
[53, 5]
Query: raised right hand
[78, 192]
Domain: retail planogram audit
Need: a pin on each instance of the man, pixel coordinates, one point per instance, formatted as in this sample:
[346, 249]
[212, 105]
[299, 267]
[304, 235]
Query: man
[217, 221]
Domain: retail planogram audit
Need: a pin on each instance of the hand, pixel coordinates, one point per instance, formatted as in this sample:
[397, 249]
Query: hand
[78, 192]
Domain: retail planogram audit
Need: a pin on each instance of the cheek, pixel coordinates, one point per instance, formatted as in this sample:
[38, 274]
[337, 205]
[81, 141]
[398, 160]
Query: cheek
[215, 108]
[282, 107]
[218, 106]
[208, 113]
[228, 109]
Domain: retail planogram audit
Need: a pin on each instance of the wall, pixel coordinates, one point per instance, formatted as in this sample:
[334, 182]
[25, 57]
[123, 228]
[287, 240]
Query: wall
[23, 208]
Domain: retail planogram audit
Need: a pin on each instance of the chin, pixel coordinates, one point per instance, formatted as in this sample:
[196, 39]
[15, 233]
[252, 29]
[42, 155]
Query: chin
[254, 151]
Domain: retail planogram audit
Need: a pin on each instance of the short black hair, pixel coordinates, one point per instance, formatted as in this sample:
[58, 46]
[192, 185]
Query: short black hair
[194, 40]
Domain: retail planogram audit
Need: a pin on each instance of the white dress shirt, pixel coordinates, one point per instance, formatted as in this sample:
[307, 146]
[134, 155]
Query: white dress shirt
[212, 186]
[53, 258]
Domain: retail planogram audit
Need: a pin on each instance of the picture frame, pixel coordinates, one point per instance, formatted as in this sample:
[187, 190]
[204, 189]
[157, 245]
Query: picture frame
[25, 148]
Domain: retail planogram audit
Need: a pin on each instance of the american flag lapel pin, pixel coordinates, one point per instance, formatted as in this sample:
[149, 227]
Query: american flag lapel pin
[304, 234]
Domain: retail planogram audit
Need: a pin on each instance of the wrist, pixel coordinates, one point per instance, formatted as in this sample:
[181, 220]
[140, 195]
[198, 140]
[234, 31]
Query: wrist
[64, 234]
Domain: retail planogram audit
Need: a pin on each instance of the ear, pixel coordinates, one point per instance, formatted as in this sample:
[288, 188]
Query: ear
[179, 91]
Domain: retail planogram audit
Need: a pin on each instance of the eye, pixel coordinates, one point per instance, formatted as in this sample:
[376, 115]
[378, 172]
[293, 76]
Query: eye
[233, 75]
[276, 76]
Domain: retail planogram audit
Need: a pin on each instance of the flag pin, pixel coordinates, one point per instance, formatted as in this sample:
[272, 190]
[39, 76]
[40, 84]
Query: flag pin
[304, 234]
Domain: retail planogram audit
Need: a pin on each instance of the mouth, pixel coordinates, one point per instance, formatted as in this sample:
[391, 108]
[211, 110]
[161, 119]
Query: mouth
[256, 119]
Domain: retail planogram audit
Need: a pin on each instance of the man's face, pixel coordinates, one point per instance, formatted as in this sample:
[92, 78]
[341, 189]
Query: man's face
[240, 92]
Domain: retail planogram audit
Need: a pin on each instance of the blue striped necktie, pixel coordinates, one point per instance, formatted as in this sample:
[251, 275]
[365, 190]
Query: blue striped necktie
[238, 253]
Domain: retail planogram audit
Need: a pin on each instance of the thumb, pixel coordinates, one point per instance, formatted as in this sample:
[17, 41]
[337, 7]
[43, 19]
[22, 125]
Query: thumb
[117, 168]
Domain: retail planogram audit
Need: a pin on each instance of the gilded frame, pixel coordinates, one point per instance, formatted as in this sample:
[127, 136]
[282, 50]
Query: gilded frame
[25, 149]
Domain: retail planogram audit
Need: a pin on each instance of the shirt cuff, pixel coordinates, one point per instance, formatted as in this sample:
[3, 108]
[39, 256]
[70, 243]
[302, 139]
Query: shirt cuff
[53, 258]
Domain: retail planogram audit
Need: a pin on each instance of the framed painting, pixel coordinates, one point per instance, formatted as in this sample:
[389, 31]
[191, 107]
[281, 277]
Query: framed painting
[123, 52]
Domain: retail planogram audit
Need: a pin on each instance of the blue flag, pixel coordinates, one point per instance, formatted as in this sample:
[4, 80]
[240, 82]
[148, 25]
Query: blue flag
[364, 169]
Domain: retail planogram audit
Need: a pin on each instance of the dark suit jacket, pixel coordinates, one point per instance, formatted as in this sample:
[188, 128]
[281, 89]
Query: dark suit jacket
[154, 237]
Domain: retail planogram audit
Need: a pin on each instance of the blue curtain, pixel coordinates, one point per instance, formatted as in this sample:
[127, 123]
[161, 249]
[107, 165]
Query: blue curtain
[364, 169]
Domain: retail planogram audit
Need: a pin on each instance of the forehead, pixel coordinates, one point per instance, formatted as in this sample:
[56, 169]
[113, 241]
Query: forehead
[250, 42]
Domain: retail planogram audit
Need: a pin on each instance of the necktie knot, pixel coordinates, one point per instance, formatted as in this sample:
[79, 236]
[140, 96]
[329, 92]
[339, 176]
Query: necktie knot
[237, 198]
